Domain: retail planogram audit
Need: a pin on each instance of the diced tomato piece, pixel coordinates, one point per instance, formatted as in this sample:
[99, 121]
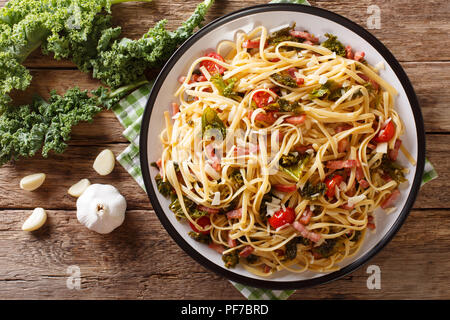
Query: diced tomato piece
[282, 217]
[263, 99]
[299, 81]
[386, 133]
[211, 66]
[202, 222]
[275, 60]
[285, 187]
[341, 164]
[331, 184]
[248, 250]
[296, 120]
[390, 199]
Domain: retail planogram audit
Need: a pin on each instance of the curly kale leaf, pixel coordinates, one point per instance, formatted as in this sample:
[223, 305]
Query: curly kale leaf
[329, 90]
[333, 44]
[225, 87]
[47, 125]
[231, 259]
[126, 60]
[285, 80]
[312, 191]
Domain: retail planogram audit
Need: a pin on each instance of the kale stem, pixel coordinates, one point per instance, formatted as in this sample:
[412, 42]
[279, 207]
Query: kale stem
[127, 88]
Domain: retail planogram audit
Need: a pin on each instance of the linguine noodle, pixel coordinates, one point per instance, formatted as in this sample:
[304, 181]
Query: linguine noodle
[295, 163]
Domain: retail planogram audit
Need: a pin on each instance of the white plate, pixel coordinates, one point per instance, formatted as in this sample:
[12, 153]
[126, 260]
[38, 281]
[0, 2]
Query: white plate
[318, 22]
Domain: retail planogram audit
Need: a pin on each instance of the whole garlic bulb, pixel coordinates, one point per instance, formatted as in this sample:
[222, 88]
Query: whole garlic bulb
[101, 208]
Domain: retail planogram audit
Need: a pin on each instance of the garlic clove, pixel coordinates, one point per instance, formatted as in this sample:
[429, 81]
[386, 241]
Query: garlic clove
[78, 188]
[104, 163]
[32, 182]
[35, 220]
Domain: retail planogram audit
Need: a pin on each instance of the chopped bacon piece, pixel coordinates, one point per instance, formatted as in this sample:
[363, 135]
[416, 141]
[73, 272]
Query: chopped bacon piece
[248, 250]
[303, 149]
[212, 156]
[266, 268]
[251, 44]
[343, 128]
[175, 108]
[306, 216]
[208, 209]
[346, 206]
[364, 184]
[352, 190]
[217, 247]
[343, 145]
[359, 55]
[159, 163]
[234, 214]
[390, 199]
[359, 173]
[304, 35]
[370, 224]
[375, 84]
[349, 52]
[245, 151]
[285, 187]
[231, 242]
[292, 71]
[296, 120]
[393, 154]
[305, 233]
[341, 164]
[275, 60]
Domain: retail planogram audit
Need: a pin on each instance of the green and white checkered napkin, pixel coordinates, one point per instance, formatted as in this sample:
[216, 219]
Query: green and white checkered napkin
[129, 112]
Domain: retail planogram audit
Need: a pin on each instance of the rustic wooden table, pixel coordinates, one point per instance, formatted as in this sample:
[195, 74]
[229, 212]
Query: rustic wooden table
[140, 261]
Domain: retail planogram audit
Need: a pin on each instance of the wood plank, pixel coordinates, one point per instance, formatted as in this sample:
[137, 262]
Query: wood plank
[401, 21]
[427, 78]
[140, 260]
[76, 163]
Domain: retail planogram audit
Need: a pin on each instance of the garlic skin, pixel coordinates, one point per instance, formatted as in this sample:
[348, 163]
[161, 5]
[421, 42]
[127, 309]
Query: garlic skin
[101, 208]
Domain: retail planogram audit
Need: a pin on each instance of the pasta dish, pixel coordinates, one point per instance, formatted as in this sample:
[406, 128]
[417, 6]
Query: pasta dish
[279, 147]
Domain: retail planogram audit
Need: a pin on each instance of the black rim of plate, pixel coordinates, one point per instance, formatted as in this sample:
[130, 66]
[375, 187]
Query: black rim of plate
[272, 283]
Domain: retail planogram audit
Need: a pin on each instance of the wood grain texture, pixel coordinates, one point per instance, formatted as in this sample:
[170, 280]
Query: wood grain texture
[139, 260]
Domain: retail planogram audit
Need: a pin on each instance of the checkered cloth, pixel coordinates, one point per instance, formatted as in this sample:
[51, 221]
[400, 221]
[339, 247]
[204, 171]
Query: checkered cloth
[129, 112]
